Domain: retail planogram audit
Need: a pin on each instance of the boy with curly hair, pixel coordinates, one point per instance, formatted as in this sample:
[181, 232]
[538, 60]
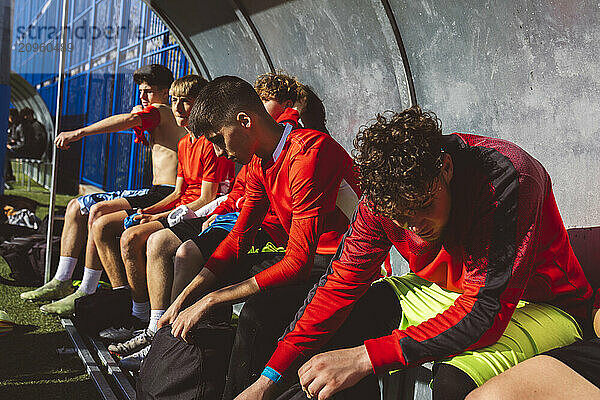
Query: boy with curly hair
[494, 279]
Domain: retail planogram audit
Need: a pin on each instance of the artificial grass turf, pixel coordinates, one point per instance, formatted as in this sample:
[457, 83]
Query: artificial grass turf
[31, 368]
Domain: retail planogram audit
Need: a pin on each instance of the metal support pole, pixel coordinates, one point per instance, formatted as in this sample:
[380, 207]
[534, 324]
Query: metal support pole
[59, 103]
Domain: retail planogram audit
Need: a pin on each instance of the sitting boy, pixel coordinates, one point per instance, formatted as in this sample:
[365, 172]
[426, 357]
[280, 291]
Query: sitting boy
[477, 221]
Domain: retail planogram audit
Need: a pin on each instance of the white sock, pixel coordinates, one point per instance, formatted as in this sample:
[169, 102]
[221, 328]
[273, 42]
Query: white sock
[66, 265]
[120, 287]
[89, 282]
[140, 310]
[154, 317]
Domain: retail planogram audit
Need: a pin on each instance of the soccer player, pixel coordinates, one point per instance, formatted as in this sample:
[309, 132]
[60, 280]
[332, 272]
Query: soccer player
[476, 220]
[299, 174]
[155, 116]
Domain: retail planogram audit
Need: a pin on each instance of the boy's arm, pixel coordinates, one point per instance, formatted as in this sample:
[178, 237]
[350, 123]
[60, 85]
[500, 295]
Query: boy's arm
[208, 194]
[169, 199]
[113, 123]
[224, 257]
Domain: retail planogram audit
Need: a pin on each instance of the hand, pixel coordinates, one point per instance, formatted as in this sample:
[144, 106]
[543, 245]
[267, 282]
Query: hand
[189, 317]
[209, 221]
[327, 373]
[262, 389]
[170, 315]
[144, 218]
[8, 146]
[63, 140]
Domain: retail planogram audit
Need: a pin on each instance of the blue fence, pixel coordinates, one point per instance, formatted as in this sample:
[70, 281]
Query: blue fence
[106, 41]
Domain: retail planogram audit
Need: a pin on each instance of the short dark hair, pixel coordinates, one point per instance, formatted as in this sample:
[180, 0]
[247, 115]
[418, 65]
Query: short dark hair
[154, 75]
[399, 156]
[219, 102]
[313, 116]
[26, 112]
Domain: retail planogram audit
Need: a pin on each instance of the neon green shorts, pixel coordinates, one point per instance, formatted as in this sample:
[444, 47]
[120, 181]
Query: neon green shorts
[533, 329]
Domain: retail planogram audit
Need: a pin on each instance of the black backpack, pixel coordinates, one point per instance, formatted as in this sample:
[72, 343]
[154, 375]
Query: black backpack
[101, 310]
[26, 257]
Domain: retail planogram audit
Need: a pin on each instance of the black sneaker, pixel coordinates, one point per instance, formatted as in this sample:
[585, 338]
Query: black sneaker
[123, 333]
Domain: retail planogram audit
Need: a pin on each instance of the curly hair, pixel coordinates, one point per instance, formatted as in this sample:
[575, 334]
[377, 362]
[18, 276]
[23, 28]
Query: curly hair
[277, 86]
[399, 156]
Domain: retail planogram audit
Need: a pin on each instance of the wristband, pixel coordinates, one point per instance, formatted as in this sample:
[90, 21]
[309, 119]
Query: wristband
[271, 374]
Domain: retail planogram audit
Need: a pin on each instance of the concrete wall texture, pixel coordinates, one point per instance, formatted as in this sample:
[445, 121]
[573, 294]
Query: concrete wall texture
[525, 71]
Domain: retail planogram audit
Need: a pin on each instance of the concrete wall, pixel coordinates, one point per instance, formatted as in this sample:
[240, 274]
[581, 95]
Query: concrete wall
[526, 71]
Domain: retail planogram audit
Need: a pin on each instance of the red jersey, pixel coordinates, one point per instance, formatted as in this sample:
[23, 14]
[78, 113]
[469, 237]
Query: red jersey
[301, 184]
[234, 203]
[504, 241]
[235, 199]
[197, 162]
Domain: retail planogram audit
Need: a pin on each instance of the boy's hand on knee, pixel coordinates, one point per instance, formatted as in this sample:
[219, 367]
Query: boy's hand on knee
[327, 373]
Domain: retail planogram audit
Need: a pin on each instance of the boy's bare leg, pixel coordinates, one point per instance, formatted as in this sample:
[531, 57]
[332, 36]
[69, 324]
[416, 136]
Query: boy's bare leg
[189, 260]
[133, 253]
[74, 232]
[105, 232]
[160, 249]
[540, 377]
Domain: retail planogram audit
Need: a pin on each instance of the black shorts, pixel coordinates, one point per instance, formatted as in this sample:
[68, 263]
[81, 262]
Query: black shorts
[154, 195]
[188, 228]
[582, 357]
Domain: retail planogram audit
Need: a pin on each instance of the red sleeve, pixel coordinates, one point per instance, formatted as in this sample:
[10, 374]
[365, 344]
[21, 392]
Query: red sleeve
[315, 177]
[289, 116]
[363, 249]
[150, 119]
[496, 278]
[239, 188]
[241, 237]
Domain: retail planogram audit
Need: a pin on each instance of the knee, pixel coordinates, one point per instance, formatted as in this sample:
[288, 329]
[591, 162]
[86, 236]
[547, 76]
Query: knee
[96, 211]
[99, 228]
[130, 240]
[73, 211]
[155, 246]
[186, 252]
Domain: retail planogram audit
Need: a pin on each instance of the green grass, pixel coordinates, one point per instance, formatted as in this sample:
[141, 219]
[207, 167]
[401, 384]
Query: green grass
[31, 368]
